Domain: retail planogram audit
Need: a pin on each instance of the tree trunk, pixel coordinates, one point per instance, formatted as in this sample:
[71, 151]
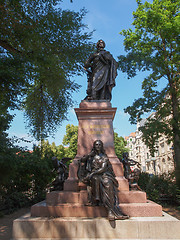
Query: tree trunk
[177, 159]
[175, 129]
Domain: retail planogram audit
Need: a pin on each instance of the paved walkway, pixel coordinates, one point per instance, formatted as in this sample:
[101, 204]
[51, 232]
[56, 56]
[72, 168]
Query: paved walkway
[6, 223]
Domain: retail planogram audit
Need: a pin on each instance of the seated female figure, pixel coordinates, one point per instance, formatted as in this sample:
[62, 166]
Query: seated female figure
[95, 170]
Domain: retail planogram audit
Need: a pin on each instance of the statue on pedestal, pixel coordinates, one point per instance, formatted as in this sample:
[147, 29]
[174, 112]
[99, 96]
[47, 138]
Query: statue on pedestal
[62, 174]
[133, 179]
[131, 176]
[95, 170]
[102, 71]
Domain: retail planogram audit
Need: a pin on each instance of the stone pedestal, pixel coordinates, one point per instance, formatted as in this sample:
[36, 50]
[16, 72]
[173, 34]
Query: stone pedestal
[95, 123]
[65, 215]
[75, 228]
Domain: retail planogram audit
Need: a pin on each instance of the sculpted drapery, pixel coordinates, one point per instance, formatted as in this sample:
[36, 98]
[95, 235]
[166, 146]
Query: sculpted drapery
[102, 73]
[95, 170]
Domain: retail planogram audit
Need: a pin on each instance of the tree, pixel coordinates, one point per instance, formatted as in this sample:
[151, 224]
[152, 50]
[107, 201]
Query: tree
[57, 151]
[7, 153]
[71, 139]
[153, 45]
[41, 47]
[119, 145]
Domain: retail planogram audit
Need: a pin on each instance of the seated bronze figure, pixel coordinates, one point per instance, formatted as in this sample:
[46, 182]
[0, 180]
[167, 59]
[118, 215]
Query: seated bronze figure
[131, 176]
[95, 170]
[62, 174]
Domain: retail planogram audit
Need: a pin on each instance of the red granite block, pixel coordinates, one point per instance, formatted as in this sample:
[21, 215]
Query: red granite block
[149, 209]
[132, 197]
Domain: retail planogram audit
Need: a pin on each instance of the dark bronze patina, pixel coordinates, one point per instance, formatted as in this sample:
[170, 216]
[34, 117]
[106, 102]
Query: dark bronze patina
[62, 173]
[102, 71]
[131, 176]
[133, 179]
[95, 170]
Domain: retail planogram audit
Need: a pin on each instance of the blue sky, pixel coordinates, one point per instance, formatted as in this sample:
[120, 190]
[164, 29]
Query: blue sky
[107, 18]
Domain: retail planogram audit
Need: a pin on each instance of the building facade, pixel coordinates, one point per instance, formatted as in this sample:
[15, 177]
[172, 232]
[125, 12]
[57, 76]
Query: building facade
[161, 162]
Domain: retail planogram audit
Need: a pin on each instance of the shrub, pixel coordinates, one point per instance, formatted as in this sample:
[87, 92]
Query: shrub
[27, 184]
[161, 189]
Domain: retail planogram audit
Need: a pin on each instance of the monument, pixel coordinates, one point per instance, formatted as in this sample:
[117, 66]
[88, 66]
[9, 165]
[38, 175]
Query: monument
[96, 202]
[62, 174]
[95, 170]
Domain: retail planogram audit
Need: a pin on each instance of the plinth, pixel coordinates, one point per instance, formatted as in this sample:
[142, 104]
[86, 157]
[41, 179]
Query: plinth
[95, 123]
[65, 215]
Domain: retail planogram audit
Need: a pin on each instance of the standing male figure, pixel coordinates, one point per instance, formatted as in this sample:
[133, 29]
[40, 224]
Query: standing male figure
[102, 73]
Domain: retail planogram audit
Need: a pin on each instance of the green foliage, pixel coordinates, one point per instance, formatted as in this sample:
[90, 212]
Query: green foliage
[161, 189]
[41, 47]
[178, 198]
[57, 151]
[119, 144]
[70, 139]
[25, 176]
[27, 184]
[154, 46]
[7, 153]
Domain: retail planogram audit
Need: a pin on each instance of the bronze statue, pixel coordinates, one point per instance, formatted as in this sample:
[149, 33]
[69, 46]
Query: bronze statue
[62, 173]
[95, 170]
[133, 179]
[102, 71]
[131, 176]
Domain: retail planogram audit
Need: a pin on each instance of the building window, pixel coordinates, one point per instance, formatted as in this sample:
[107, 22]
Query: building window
[154, 166]
[162, 147]
[148, 167]
[168, 147]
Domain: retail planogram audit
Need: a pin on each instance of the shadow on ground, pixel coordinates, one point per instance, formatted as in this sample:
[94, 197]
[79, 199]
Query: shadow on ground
[6, 223]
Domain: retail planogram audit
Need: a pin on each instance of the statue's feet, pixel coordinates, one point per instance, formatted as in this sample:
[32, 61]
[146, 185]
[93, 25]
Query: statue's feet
[121, 217]
[112, 217]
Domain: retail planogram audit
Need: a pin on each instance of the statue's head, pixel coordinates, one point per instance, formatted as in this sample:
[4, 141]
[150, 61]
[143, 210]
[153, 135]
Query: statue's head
[100, 44]
[98, 146]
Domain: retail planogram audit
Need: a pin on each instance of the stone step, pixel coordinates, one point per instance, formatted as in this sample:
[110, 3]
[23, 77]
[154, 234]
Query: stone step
[148, 209]
[147, 228]
[73, 184]
[56, 197]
